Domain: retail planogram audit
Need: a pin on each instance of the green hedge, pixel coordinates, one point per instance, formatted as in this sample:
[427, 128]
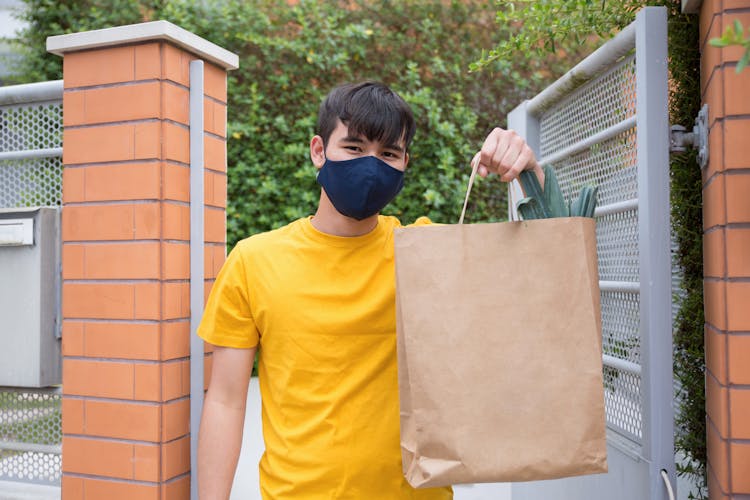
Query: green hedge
[291, 56]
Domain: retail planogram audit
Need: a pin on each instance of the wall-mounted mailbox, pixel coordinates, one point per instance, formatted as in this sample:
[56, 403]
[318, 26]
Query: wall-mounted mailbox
[30, 353]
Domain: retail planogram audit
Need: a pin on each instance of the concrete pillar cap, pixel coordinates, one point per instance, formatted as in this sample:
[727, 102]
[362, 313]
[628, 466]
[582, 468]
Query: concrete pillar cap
[154, 30]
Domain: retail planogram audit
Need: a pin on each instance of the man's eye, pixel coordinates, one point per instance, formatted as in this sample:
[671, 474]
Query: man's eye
[352, 148]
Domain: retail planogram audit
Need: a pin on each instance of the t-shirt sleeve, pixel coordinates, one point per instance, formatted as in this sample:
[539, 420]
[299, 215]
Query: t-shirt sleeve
[421, 221]
[227, 319]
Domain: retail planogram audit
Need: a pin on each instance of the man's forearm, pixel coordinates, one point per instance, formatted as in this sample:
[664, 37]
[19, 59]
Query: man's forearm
[219, 444]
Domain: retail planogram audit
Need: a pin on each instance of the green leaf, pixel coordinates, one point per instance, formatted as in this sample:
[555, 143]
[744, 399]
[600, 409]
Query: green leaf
[743, 62]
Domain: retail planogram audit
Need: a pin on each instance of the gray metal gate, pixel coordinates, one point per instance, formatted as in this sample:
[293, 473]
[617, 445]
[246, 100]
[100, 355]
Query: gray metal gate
[605, 122]
[30, 176]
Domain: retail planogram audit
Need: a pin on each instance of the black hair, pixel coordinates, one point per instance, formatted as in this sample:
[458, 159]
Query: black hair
[369, 109]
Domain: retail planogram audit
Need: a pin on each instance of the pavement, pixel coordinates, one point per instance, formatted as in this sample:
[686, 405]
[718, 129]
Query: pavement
[246, 478]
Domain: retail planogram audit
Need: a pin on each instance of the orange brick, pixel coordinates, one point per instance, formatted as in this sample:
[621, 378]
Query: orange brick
[207, 290]
[710, 55]
[171, 381]
[146, 462]
[738, 249]
[175, 419]
[736, 143]
[714, 96]
[122, 340]
[738, 312]
[176, 261]
[132, 181]
[72, 338]
[176, 143]
[121, 103]
[98, 300]
[215, 189]
[717, 405]
[738, 352]
[175, 300]
[714, 488]
[72, 416]
[73, 185]
[177, 489]
[74, 107]
[99, 144]
[735, 89]
[739, 417]
[98, 222]
[176, 182]
[176, 221]
[147, 305]
[739, 454]
[106, 379]
[716, 150]
[714, 260]
[147, 61]
[707, 16]
[73, 262]
[176, 64]
[716, 354]
[215, 153]
[176, 103]
[715, 301]
[72, 487]
[120, 490]
[714, 210]
[214, 117]
[147, 138]
[718, 457]
[97, 457]
[175, 339]
[175, 457]
[737, 199]
[147, 381]
[215, 229]
[147, 217]
[121, 260]
[123, 420]
[215, 82]
[97, 67]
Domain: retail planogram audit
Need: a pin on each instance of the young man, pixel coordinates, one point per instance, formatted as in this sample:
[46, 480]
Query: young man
[318, 298]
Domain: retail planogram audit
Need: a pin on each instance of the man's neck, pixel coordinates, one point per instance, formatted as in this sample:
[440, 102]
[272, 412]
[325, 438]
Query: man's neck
[328, 220]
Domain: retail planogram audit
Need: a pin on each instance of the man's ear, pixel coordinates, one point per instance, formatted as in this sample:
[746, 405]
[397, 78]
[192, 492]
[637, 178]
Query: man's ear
[406, 160]
[317, 152]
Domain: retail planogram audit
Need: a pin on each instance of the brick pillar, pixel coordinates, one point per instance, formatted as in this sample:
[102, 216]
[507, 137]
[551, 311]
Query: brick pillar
[726, 243]
[126, 254]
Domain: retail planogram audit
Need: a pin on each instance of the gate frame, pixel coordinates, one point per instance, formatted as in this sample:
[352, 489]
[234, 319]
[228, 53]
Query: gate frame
[652, 145]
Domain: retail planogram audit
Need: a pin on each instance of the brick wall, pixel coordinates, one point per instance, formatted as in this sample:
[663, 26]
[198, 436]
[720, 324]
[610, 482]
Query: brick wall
[726, 225]
[126, 265]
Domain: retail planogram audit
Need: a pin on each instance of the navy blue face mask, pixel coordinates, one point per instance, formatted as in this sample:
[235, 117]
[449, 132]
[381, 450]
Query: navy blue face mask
[360, 187]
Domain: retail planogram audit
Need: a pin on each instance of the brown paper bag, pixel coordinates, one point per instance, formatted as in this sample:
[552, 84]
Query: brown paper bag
[499, 352]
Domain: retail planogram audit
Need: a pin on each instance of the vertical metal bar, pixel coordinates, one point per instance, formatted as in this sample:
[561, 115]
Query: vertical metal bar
[527, 125]
[196, 265]
[654, 242]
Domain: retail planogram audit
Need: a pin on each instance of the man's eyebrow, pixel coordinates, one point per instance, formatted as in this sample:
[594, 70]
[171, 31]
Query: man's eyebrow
[359, 140]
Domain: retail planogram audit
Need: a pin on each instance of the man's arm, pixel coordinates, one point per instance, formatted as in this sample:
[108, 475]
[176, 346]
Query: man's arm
[222, 421]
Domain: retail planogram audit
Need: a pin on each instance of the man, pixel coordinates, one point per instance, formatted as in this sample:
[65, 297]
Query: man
[318, 298]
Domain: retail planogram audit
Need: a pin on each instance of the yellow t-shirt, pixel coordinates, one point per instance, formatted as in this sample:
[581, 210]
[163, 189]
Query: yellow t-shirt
[322, 310]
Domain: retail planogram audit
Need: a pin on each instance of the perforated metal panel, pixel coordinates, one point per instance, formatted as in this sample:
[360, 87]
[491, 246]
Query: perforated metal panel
[30, 176]
[30, 435]
[33, 175]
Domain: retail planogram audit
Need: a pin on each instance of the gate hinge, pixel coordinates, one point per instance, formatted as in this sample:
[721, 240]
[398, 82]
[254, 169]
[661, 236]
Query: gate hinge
[680, 139]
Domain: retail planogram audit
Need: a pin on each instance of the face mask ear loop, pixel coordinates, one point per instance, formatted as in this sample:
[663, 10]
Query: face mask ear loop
[474, 168]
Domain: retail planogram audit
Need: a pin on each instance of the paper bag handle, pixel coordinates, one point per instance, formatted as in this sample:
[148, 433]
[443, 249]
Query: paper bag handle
[468, 189]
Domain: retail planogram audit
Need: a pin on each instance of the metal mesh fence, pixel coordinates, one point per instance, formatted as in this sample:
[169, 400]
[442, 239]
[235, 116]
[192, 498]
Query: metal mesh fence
[30, 435]
[30, 175]
[612, 165]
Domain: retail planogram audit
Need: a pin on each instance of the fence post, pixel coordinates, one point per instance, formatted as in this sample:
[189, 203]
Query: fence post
[126, 253]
